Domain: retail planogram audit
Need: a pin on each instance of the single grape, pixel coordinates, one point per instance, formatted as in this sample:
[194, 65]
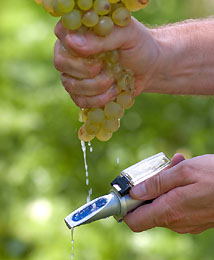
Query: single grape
[90, 18]
[83, 115]
[96, 115]
[121, 16]
[65, 6]
[134, 5]
[72, 20]
[113, 110]
[83, 135]
[125, 100]
[111, 125]
[92, 128]
[104, 27]
[122, 82]
[85, 4]
[103, 136]
[102, 7]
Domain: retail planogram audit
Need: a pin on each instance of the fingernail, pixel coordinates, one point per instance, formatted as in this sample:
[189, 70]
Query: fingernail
[78, 39]
[139, 190]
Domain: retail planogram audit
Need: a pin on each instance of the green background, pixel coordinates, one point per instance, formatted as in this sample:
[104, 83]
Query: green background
[42, 176]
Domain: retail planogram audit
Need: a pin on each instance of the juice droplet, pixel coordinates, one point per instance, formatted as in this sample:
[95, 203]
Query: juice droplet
[72, 242]
[85, 161]
[88, 199]
[89, 195]
[118, 160]
[90, 147]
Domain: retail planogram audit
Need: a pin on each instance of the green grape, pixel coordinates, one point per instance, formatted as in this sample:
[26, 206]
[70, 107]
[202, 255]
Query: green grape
[92, 128]
[72, 20]
[102, 7]
[134, 5]
[48, 5]
[125, 100]
[103, 136]
[125, 82]
[85, 4]
[111, 125]
[112, 56]
[56, 12]
[121, 16]
[83, 135]
[96, 115]
[90, 18]
[83, 115]
[116, 6]
[104, 27]
[65, 6]
[113, 110]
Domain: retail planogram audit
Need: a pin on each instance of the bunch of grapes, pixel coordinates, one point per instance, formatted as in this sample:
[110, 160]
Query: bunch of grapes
[100, 16]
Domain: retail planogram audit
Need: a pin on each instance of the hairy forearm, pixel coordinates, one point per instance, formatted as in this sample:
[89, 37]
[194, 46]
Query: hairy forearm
[186, 59]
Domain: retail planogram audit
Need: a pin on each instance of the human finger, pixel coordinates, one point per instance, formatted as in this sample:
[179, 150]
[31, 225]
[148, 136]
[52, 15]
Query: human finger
[164, 181]
[89, 43]
[96, 101]
[177, 158]
[61, 32]
[87, 87]
[75, 66]
[144, 217]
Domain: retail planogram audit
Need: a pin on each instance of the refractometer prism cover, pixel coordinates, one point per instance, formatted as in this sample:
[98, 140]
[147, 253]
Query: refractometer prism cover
[139, 172]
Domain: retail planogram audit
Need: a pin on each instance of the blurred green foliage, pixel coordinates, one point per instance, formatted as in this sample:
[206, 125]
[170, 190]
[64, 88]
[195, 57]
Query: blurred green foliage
[42, 177]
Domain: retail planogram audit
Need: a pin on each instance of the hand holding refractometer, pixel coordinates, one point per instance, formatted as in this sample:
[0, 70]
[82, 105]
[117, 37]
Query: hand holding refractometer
[118, 202]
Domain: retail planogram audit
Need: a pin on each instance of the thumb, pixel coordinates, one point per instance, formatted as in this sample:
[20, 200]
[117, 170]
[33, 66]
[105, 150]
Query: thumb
[162, 182]
[88, 43]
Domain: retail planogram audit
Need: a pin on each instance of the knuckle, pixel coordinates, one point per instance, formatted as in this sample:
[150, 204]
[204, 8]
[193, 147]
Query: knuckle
[135, 228]
[60, 30]
[81, 102]
[58, 62]
[67, 85]
[185, 169]
[132, 224]
[82, 50]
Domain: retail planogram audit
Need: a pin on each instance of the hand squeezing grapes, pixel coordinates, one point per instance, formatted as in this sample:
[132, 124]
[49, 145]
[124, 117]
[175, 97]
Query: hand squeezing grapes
[100, 17]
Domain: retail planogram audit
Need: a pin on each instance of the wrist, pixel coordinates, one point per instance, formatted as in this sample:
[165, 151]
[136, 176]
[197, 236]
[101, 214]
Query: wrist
[162, 72]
